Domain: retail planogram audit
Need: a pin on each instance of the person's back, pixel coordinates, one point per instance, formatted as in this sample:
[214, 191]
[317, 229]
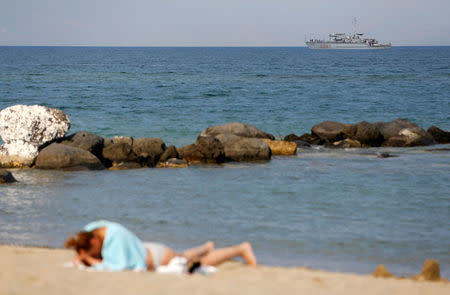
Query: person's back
[121, 249]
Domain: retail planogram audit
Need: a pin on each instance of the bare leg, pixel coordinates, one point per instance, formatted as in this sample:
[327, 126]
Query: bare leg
[219, 256]
[200, 251]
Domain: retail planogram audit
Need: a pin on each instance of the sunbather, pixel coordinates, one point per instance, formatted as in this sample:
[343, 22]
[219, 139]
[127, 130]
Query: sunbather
[109, 245]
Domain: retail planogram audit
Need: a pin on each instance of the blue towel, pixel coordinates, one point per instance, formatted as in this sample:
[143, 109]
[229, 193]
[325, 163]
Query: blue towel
[121, 248]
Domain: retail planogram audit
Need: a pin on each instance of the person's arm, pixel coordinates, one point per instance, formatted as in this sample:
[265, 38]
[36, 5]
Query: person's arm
[88, 260]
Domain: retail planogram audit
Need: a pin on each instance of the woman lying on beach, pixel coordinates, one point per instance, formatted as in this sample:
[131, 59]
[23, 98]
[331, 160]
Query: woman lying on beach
[110, 246]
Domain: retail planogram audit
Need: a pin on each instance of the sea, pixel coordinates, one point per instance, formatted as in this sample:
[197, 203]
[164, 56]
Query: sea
[341, 210]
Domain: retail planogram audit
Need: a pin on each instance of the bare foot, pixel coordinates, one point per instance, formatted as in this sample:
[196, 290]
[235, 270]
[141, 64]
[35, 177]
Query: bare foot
[247, 254]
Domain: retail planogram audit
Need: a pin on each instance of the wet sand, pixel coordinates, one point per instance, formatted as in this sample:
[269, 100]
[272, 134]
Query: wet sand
[25, 270]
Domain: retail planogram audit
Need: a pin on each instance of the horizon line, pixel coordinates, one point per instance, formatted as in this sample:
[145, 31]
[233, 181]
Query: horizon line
[199, 46]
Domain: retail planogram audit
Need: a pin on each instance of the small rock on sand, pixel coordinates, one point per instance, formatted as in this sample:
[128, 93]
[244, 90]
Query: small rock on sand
[430, 270]
[382, 272]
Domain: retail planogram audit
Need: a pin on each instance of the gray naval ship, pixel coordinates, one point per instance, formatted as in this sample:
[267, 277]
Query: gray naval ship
[347, 41]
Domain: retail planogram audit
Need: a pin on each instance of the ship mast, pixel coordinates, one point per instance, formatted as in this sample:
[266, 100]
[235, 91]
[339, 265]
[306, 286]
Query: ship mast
[355, 23]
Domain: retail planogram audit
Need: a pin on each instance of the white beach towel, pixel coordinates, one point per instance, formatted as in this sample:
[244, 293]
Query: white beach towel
[178, 265]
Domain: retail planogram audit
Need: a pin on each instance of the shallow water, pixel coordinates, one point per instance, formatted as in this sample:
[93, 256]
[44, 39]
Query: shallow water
[331, 209]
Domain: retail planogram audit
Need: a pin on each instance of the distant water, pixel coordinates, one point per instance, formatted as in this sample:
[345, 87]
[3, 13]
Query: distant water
[341, 210]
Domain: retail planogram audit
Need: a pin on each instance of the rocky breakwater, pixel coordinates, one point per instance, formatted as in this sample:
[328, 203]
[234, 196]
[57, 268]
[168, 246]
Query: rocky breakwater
[35, 136]
[85, 150]
[398, 133]
[24, 129]
[234, 142]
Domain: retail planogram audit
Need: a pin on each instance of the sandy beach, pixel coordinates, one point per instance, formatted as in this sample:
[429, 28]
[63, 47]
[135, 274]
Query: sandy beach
[27, 270]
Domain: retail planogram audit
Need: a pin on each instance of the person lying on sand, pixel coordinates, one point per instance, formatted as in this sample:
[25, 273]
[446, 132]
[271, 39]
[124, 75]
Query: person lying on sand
[106, 245]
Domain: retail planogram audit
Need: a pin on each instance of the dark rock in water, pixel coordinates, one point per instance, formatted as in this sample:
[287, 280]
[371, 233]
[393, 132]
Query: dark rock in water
[86, 141]
[382, 272]
[392, 129]
[311, 139]
[439, 135]
[302, 144]
[118, 152]
[430, 270]
[402, 133]
[395, 141]
[206, 149]
[349, 131]
[60, 156]
[169, 153]
[118, 139]
[345, 143]
[294, 138]
[329, 131]
[243, 149]
[238, 129]
[368, 134]
[148, 150]
[291, 137]
[6, 177]
[385, 155]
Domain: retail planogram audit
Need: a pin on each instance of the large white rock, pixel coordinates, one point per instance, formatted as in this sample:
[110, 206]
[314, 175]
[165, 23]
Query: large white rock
[24, 128]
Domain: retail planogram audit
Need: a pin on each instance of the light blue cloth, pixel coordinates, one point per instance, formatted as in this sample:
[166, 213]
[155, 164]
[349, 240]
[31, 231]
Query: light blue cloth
[121, 248]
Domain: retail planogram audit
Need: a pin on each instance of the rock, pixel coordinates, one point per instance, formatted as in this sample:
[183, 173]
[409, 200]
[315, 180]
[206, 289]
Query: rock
[349, 131]
[386, 155]
[125, 166]
[173, 163]
[439, 135]
[311, 139]
[86, 141]
[243, 149]
[368, 134]
[121, 149]
[148, 150]
[33, 124]
[382, 272]
[395, 141]
[328, 131]
[346, 143]
[402, 133]
[118, 139]
[18, 154]
[60, 156]
[25, 128]
[430, 270]
[169, 153]
[416, 137]
[294, 138]
[283, 148]
[206, 149]
[238, 129]
[6, 177]
[117, 150]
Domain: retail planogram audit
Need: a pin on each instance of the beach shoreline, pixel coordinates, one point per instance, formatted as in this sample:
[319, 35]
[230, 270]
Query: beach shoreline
[32, 270]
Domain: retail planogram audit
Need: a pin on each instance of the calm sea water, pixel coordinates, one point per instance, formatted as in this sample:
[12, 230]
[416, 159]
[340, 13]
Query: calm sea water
[341, 210]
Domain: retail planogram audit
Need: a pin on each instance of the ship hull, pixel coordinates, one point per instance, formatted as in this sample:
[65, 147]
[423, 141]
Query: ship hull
[331, 45]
